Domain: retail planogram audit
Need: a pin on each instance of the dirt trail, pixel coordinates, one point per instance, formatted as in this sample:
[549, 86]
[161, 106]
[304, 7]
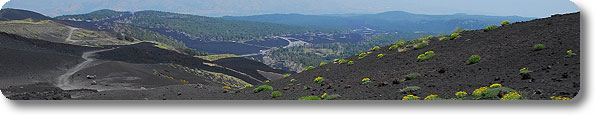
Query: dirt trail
[69, 38]
[64, 80]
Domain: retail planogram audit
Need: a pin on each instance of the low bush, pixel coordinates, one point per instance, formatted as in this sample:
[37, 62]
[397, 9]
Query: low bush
[248, 85]
[412, 76]
[569, 53]
[473, 59]
[490, 92]
[376, 48]
[332, 97]
[401, 50]
[263, 88]
[185, 81]
[286, 75]
[505, 22]
[409, 89]
[427, 55]
[350, 63]
[318, 79]
[276, 94]
[306, 87]
[341, 61]
[432, 97]
[421, 45]
[226, 87]
[411, 97]
[496, 85]
[380, 55]
[308, 68]
[525, 71]
[455, 35]
[322, 64]
[511, 96]
[491, 27]
[309, 98]
[393, 47]
[538, 47]
[292, 80]
[362, 55]
[560, 98]
[444, 38]
[401, 43]
[365, 80]
[461, 95]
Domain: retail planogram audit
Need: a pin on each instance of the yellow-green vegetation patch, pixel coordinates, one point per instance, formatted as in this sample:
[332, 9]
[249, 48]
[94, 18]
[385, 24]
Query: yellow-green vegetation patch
[25, 21]
[213, 76]
[217, 56]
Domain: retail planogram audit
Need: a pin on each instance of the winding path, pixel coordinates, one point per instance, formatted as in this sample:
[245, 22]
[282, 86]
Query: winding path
[69, 38]
[64, 80]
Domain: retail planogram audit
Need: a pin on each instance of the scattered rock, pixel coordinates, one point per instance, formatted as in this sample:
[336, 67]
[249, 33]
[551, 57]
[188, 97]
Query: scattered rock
[442, 70]
[179, 93]
[382, 84]
[91, 76]
[285, 88]
[348, 86]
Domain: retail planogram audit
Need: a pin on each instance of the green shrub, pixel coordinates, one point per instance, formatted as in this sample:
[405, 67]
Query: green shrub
[322, 64]
[276, 94]
[286, 75]
[511, 96]
[489, 92]
[362, 55]
[401, 43]
[412, 76]
[376, 48]
[455, 35]
[410, 89]
[444, 38]
[380, 55]
[309, 98]
[393, 47]
[427, 55]
[341, 61]
[319, 79]
[473, 59]
[263, 88]
[461, 95]
[332, 97]
[306, 87]
[350, 63]
[308, 68]
[421, 45]
[292, 80]
[411, 97]
[525, 71]
[569, 53]
[539, 47]
[505, 22]
[248, 85]
[432, 97]
[491, 27]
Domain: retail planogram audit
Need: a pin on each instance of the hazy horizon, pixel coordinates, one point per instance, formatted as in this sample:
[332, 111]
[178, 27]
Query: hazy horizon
[217, 8]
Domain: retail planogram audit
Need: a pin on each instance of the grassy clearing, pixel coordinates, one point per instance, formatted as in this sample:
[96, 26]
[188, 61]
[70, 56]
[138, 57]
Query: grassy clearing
[217, 57]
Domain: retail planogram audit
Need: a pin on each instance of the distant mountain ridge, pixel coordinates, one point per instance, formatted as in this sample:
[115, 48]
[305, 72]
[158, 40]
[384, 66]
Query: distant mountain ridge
[16, 14]
[398, 21]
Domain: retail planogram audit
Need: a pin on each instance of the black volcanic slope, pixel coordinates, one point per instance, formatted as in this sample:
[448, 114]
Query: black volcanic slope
[146, 53]
[16, 14]
[25, 61]
[503, 52]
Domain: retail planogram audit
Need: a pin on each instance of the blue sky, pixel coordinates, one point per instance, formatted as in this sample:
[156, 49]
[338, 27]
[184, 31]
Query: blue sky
[526, 8]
